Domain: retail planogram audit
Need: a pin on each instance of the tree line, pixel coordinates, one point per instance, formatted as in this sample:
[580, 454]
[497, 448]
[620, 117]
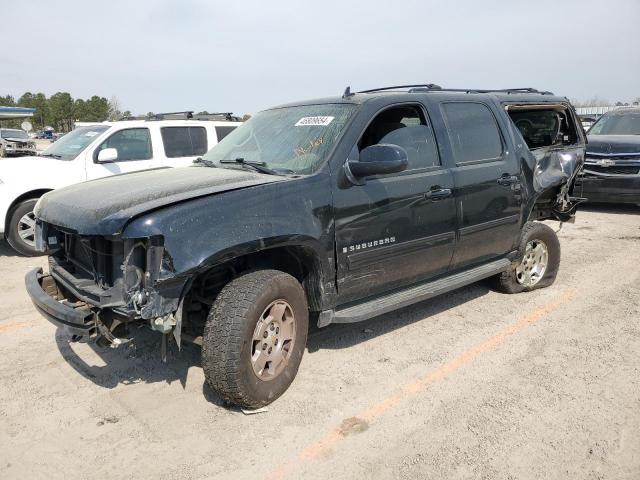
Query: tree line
[61, 110]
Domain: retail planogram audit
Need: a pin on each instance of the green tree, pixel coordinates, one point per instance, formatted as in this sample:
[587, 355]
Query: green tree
[61, 110]
[39, 102]
[79, 109]
[97, 109]
[7, 101]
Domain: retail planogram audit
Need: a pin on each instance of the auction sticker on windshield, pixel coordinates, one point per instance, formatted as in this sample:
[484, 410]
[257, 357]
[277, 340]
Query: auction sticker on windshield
[314, 121]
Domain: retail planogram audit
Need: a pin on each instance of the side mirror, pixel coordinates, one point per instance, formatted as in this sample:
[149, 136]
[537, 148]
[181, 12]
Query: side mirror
[108, 155]
[377, 160]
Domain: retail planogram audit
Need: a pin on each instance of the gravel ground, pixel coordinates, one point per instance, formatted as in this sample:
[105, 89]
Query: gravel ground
[474, 384]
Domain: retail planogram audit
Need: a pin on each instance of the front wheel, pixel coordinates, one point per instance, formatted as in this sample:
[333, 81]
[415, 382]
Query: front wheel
[254, 337]
[22, 229]
[538, 261]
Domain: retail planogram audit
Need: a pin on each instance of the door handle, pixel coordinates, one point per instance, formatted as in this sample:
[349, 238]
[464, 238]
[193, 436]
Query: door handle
[437, 193]
[507, 180]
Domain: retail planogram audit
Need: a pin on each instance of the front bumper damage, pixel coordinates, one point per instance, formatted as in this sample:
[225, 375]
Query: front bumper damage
[66, 312]
[97, 288]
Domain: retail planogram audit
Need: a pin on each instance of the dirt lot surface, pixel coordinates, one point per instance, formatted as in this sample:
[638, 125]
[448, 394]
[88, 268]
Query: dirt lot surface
[475, 384]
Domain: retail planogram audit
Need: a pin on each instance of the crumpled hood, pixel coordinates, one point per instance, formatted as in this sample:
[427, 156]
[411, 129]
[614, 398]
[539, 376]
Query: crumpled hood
[608, 145]
[17, 140]
[104, 206]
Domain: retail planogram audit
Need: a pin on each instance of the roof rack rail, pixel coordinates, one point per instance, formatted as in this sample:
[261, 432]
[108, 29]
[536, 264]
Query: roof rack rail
[430, 86]
[187, 115]
[161, 116]
[433, 87]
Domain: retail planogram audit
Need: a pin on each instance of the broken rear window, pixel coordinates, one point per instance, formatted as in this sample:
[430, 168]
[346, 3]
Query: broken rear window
[544, 126]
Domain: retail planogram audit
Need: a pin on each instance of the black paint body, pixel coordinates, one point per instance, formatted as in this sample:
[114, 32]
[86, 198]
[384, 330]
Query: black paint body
[404, 234]
[612, 169]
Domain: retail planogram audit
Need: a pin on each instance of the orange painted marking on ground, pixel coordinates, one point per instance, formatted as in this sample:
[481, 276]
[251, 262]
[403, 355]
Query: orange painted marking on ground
[410, 390]
[13, 326]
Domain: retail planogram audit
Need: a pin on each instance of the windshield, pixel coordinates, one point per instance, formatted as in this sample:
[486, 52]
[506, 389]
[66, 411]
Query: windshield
[287, 140]
[69, 146]
[13, 133]
[617, 124]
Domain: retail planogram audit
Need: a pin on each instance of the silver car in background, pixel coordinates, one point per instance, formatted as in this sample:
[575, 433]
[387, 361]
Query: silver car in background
[14, 142]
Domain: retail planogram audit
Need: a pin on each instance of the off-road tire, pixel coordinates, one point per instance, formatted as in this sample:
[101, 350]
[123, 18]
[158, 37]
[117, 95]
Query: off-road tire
[228, 333]
[12, 233]
[506, 282]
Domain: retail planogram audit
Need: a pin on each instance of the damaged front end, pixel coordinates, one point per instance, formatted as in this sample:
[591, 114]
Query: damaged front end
[98, 286]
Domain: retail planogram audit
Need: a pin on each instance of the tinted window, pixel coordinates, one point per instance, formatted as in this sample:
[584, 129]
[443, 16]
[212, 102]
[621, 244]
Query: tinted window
[222, 132]
[473, 132]
[408, 128]
[132, 144]
[184, 141]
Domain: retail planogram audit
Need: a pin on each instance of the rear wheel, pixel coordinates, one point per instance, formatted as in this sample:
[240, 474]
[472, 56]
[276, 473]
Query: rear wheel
[21, 229]
[537, 264]
[254, 337]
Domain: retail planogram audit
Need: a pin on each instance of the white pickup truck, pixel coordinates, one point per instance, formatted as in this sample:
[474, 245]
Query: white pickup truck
[96, 151]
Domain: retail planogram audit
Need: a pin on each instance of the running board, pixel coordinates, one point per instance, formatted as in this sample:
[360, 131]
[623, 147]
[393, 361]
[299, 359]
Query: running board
[411, 295]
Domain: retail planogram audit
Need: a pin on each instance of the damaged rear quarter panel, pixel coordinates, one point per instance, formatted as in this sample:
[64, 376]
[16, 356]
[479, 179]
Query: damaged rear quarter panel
[549, 173]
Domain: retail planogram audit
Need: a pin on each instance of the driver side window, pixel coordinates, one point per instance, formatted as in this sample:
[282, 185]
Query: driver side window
[407, 127]
[131, 144]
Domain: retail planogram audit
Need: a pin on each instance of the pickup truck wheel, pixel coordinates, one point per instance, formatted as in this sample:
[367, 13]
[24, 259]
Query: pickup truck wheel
[21, 231]
[537, 264]
[254, 337]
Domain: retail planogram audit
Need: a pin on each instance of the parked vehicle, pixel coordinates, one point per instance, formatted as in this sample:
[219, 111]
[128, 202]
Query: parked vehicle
[92, 152]
[335, 210]
[14, 142]
[612, 165]
[44, 134]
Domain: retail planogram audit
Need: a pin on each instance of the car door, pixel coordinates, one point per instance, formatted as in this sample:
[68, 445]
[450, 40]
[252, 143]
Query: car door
[182, 144]
[135, 152]
[399, 228]
[487, 183]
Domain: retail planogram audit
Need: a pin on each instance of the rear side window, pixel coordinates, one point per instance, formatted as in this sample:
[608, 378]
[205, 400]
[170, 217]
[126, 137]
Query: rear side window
[222, 132]
[184, 141]
[473, 132]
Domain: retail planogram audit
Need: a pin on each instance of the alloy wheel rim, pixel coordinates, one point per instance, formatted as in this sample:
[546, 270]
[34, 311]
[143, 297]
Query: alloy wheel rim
[273, 340]
[27, 229]
[533, 265]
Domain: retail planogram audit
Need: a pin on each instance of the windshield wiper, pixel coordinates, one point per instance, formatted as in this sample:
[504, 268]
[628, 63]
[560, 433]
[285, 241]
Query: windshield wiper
[257, 166]
[52, 155]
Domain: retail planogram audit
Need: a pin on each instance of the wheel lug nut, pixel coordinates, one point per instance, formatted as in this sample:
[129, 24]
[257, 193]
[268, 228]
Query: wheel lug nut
[269, 350]
[271, 327]
[264, 335]
[277, 329]
[264, 346]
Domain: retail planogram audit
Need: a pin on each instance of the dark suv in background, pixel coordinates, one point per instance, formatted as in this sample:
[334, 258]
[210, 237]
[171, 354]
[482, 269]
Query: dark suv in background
[336, 209]
[612, 165]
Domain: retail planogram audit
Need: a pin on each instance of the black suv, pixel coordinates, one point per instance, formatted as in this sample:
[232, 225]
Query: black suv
[337, 209]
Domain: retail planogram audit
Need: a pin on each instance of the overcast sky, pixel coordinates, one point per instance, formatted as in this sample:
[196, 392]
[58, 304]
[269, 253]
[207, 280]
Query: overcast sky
[243, 56]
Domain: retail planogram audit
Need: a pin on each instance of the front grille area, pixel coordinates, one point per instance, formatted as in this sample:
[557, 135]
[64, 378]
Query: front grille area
[95, 258]
[614, 170]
